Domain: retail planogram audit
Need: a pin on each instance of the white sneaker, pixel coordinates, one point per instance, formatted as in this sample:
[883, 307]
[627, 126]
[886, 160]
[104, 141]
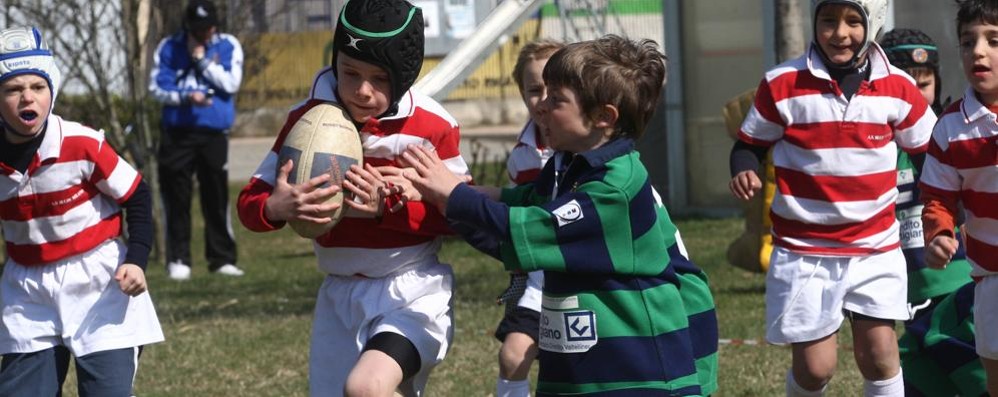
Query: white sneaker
[229, 269]
[178, 271]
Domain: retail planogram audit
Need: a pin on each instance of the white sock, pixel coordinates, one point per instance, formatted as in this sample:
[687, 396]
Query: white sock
[512, 388]
[885, 388]
[794, 390]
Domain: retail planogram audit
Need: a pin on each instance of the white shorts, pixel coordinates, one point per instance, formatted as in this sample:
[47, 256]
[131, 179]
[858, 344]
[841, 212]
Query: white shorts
[74, 302]
[986, 317]
[414, 303]
[531, 298]
[805, 295]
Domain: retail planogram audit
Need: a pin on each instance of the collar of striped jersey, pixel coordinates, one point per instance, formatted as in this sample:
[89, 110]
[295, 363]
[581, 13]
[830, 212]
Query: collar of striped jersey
[324, 89]
[529, 136]
[609, 151]
[877, 59]
[972, 108]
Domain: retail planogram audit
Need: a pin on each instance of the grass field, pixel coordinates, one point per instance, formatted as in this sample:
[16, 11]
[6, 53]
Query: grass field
[249, 336]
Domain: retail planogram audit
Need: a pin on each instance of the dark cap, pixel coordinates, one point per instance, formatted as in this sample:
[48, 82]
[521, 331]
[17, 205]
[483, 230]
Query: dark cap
[386, 33]
[200, 14]
[910, 48]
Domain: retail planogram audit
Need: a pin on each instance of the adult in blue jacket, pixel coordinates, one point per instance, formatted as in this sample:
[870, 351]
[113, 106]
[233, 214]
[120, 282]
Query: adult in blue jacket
[196, 76]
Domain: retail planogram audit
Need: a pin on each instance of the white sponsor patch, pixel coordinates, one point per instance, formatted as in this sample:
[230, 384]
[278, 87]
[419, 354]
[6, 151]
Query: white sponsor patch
[568, 213]
[906, 176]
[911, 227]
[567, 331]
[569, 302]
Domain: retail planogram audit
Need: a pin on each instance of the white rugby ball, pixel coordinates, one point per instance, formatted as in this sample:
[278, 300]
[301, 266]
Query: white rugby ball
[323, 141]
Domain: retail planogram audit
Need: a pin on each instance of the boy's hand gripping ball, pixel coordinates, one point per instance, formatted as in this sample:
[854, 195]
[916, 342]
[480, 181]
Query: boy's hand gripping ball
[323, 140]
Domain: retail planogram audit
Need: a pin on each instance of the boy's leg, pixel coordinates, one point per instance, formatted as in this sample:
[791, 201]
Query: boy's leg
[518, 331]
[876, 300]
[803, 308]
[516, 354]
[986, 328]
[388, 359]
[107, 373]
[875, 347]
[813, 364]
[991, 369]
[38, 373]
[876, 353]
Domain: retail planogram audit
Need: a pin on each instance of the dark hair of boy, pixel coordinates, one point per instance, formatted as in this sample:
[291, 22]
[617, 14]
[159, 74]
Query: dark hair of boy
[976, 11]
[539, 49]
[612, 70]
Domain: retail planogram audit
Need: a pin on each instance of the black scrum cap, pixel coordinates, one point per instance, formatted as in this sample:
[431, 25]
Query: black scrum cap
[386, 33]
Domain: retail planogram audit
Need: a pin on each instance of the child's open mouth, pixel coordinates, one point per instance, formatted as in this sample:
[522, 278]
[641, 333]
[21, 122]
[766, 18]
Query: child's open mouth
[28, 115]
[981, 69]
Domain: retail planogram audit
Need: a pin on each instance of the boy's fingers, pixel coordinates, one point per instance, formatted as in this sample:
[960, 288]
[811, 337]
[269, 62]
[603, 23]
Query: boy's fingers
[318, 181]
[357, 191]
[284, 171]
[373, 170]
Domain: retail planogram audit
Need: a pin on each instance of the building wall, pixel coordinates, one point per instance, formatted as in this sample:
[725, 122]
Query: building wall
[722, 57]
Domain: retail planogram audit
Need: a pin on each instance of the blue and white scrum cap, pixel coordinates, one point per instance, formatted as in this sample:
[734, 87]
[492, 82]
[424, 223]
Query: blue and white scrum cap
[22, 51]
[386, 33]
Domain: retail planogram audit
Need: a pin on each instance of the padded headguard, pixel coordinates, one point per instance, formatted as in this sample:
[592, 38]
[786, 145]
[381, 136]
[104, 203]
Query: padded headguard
[22, 51]
[874, 14]
[386, 33]
[910, 48]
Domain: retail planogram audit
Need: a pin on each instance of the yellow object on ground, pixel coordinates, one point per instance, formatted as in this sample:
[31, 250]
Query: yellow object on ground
[752, 249]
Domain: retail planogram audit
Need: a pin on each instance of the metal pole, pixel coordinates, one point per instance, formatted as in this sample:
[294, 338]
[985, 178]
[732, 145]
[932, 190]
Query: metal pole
[675, 120]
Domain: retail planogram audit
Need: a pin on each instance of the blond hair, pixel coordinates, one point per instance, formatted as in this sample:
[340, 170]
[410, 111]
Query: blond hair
[534, 50]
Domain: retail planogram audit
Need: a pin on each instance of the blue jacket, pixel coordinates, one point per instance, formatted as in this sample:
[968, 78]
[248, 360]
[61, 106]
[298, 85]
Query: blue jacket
[175, 75]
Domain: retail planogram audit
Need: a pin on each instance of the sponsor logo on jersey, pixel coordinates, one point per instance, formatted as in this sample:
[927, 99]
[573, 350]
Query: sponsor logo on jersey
[567, 331]
[568, 213]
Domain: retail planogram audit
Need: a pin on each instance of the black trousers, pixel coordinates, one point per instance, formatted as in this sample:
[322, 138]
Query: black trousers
[205, 153]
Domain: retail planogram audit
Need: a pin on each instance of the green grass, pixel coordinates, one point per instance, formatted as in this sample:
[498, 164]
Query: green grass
[249, 336]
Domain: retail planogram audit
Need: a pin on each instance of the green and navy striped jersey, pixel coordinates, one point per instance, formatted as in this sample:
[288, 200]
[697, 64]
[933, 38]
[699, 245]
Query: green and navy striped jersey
[923, 282]
[624, 312]
[938, 349]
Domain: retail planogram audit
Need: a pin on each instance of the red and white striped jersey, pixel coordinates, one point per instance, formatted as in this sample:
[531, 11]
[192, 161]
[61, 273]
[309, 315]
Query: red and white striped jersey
[836, 158]
[528, 156]
[367, 246]
[68, 200]
[962, 165]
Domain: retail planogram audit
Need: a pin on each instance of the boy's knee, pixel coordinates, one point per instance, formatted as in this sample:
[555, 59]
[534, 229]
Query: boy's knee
[814, 375]
[878, 363]
[359, 385]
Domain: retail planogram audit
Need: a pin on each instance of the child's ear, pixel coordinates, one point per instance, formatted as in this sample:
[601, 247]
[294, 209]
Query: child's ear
[606, 116]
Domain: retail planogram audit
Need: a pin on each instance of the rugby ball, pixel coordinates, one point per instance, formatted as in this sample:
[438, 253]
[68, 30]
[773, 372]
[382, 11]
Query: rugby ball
[323, 141]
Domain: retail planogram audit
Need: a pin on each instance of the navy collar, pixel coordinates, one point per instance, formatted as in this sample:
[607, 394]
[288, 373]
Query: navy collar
[608, 151]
